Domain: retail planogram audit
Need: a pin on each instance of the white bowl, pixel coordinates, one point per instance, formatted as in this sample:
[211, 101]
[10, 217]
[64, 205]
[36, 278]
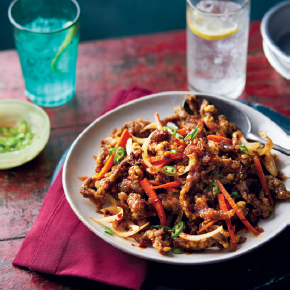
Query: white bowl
[275, 29]
[80, 162]
[12, 112]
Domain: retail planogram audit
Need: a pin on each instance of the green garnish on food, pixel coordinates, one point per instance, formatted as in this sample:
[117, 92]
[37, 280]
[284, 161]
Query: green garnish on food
[171, 130]
[175, 151]
[214, 187]
[191, 135]
[119, 156]
[107, 230]
[235, 194]
[244, 149]
[177, 135]
[118, 153]
[169, 169]
[178, 251]
[161, 227]
[13, 139]
[217, 174]
[176, 230]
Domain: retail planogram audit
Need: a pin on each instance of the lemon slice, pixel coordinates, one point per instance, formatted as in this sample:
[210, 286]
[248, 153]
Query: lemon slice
[210, 28]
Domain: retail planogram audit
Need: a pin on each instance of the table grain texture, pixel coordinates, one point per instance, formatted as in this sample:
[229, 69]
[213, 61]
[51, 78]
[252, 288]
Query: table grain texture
[156, 62]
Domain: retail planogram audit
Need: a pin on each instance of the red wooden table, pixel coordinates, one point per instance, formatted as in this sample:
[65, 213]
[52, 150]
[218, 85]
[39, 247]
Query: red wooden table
[156, 62]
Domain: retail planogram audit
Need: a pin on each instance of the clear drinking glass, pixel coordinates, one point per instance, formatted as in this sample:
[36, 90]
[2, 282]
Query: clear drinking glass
[46, 34]
[217, 44]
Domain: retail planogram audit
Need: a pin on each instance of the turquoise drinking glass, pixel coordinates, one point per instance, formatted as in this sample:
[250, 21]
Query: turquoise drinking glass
[46, 34]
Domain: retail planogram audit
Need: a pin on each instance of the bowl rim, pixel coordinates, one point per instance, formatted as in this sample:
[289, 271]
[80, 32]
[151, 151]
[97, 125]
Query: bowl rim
[275, 62]
[265, 33]
[43, 134]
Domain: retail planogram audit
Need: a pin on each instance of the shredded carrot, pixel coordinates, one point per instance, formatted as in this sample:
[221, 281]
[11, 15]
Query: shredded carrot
[157, 203]
[173, 189]
[170, 157]
[170, 184]
[155, 182]
[262, 179]
[152, 170]
[158, 122]
[82, 178]
[161, 163]
[218, 139]
[236, 208]
[224, 208]
[181, 144]
[200, 124]
[207, 225]
[121, 143]
[228, 204]
[182, 132]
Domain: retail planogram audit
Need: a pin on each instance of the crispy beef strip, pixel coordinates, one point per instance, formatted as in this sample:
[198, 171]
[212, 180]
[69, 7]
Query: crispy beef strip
[192, 103]
[106, 184]
[261, 207]
[276, 186]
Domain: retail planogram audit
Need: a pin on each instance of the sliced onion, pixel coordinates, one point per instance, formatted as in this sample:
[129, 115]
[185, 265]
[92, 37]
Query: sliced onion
[250, 145]
[118, 215]
[145, 147]
[113, 200]
[270, 164]
[130, 232]
[192, 162]
[132, 225]
[139, 140]
[129, 146]
[200, 237]
[149, 126]
[268, 146]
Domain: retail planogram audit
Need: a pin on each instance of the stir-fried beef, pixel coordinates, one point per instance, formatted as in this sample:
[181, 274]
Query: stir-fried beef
[198, 179]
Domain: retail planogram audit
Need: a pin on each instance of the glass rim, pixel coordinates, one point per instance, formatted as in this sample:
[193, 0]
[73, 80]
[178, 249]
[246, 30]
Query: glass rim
[219, 14]
[17, 25]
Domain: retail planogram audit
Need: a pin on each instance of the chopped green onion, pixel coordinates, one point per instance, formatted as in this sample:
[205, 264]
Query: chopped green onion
[171, 130]
[235, 194]
[217, 174]
[161, 227]
[176, 230]
[113, 150]
[22, 127]
[29, 135]
[244, 149]
[177, 135]
[7, 132]
[119, 155]
[192, 134]
[214, 187]
[178, 251]
[169, 169]
[175, 151]
[12, 139]
[107, 230]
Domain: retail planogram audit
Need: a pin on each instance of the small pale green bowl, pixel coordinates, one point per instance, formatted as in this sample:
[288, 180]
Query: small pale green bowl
[12, 112]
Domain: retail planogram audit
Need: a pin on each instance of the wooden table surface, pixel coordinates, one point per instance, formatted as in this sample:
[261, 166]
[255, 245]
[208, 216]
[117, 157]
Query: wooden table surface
[156, 62]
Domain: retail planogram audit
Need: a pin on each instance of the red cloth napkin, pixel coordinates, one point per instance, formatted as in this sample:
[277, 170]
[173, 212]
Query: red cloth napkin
[58, 242]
